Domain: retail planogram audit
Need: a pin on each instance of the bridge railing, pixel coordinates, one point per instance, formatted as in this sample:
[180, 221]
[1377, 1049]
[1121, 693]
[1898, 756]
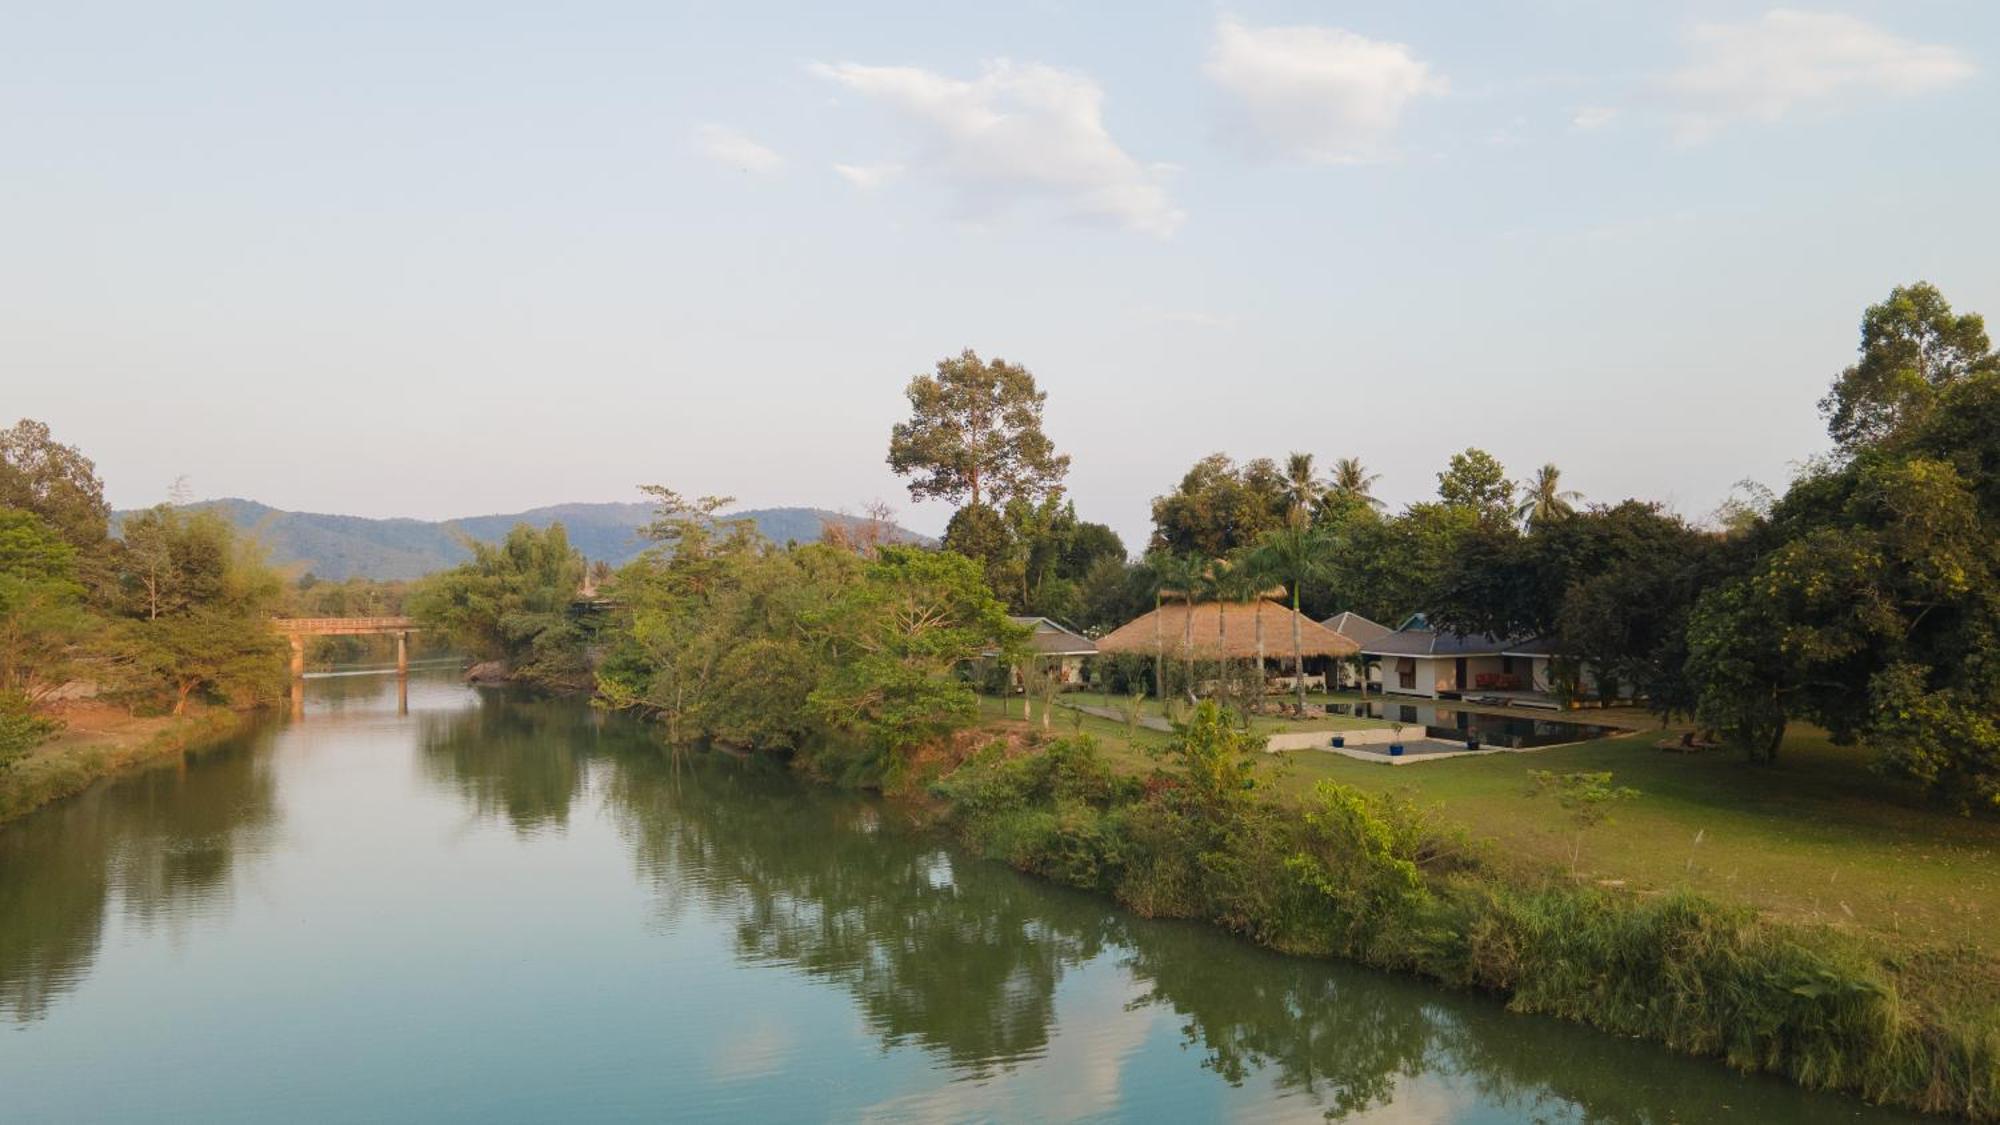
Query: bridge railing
[323, 626]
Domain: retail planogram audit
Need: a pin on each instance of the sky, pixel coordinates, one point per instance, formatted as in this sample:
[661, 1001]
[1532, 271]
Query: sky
[447, 259]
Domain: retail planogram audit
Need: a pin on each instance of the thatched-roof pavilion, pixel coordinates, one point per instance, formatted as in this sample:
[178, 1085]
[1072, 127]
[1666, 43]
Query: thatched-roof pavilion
[1239, 628]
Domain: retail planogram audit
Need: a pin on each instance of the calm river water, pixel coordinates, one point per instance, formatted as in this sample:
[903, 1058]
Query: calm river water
[498, 909]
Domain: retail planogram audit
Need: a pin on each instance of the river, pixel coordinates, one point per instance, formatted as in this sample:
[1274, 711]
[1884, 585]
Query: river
[494, 908]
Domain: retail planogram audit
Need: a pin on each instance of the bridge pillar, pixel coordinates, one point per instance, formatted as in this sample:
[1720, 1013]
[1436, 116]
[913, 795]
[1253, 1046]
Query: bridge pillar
[402, 654]
[298, 658]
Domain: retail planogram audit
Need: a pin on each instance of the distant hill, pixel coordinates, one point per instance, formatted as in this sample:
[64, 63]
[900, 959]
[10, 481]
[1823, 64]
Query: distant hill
[339, 547]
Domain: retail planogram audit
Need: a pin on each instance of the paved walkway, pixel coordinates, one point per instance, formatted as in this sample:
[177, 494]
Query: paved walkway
[1150, 722]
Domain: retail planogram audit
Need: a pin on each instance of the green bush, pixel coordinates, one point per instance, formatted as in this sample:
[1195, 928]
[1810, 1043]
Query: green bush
[1374, 878]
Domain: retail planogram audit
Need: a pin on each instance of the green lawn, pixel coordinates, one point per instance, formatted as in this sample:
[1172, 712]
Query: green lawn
[1817, 837]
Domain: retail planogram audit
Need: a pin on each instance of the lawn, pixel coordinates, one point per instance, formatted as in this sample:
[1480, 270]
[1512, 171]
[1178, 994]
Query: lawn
[1816, 837]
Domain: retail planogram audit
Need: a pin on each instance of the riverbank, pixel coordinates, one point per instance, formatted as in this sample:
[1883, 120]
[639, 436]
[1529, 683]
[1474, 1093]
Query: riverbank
[1377, 878]
[97, 741]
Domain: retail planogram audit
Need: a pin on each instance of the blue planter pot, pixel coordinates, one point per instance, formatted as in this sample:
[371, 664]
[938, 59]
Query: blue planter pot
[1395, 749]
[1339, 740]
[1472, 744]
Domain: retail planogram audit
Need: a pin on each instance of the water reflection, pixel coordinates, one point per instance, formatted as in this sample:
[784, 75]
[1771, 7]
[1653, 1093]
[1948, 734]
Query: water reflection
[964, 958]
[160, 844]
[1016, 999]
[522, 760]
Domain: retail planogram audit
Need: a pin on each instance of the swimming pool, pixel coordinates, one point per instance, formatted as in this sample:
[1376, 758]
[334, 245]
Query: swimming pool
[1452, 724]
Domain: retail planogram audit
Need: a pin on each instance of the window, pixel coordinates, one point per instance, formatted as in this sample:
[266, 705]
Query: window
[1406, 673]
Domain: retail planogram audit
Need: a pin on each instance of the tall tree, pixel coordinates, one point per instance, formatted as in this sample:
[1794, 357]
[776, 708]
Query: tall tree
[1180, 576]
[55, 481]
[41, 607]
[197, 601]
[975, 435]
[1220, 506]
[1298, 552]
[511, 602]
[1351, 482]
[1476, 480]
[1912, 347]
[1543, 497]
[1303, 488]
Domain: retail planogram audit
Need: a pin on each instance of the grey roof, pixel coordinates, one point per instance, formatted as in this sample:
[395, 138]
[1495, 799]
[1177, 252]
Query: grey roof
[1430, 642]
[1052, 638]
[1356, 628]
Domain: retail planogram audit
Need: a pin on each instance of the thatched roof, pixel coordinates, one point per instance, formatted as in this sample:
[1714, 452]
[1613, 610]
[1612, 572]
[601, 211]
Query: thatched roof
[1239, 631]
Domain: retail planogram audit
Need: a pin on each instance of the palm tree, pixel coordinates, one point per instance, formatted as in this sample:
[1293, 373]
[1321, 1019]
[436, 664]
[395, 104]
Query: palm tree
[1156, 564]
[1303, 490]
[1299, 553]
[1352, 481]
[1252, 580]
[1180, 576]
[1543, 497]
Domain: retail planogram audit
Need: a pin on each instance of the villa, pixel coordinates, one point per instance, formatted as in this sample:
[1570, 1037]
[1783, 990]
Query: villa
[1362, 632]
[1056, 646]
[1419, 660]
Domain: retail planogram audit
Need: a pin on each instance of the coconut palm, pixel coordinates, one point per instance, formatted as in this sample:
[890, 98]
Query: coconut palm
[1298, 553]
[1179, 576]
[1303, 489]
[1252, 580]
[1352, 481]
[1543, 497]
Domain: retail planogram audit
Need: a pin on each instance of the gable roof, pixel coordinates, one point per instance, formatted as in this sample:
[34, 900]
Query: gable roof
[1239, 629]
[1430, 642]
[1356, 628]
[1052, 638]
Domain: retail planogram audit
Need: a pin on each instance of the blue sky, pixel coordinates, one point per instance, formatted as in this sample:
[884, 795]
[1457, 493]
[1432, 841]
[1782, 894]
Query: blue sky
[389, 261]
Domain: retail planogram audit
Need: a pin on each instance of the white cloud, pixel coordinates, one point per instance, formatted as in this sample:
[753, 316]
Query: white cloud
[1319, 93]
[1590, 117]
[1763, 69]
[1015, 133]
[868, 177]
[732, 149]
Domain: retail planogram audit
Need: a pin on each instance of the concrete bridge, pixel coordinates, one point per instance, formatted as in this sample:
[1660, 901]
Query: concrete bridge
[297, 629]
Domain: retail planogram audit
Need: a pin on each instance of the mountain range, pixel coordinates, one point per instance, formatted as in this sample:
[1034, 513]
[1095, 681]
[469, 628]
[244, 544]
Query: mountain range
[337, 547]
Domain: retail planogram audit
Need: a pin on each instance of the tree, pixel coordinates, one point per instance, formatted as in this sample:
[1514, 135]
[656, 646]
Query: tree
[1298, 553]
[172, 561]
[1352, 483]
[196, 602]
[1219, 507]
[512, 601]
[1912, 348]
[1179, 576]
[975, 434]
[1543, 497]
[42, 617]
[1586, 797]
[982, 534]
[1249, 576]
[21, 730]
[1475, 480]
[899, 635]
[56, 482]
[1303, 489]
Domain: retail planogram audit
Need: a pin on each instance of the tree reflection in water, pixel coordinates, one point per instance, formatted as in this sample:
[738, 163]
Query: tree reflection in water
[521, 759]
[163, 840]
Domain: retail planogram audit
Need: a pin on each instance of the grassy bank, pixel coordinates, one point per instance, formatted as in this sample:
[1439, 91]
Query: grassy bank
[1724, 948]
[97, 743]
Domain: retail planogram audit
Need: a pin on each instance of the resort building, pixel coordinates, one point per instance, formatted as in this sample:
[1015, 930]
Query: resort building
[1362, 632]
[1419, 660]
[1056, 647]
[1234, 632]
